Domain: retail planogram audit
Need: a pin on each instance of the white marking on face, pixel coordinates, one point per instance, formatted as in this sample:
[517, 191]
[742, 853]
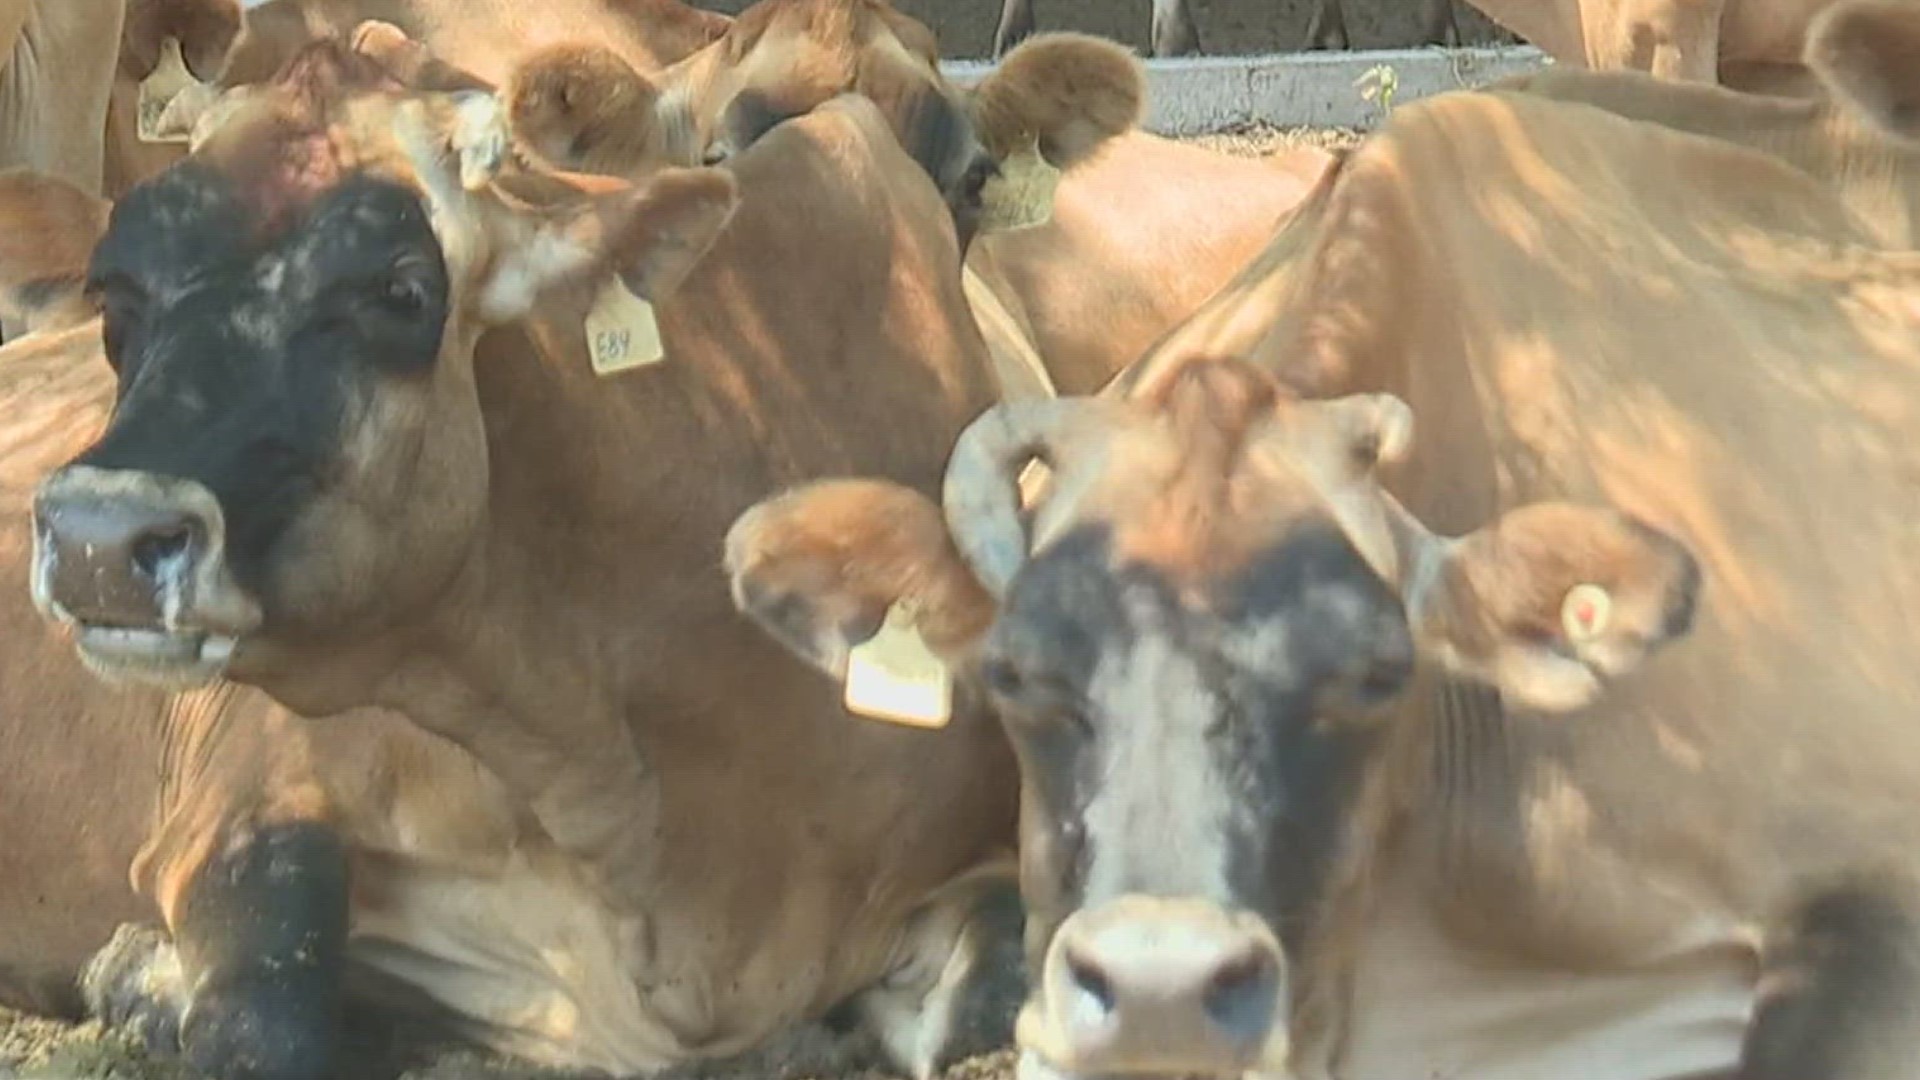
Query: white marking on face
[1159, 802]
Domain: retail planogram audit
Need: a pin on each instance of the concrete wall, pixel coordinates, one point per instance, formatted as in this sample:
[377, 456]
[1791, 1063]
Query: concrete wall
[1227, 27]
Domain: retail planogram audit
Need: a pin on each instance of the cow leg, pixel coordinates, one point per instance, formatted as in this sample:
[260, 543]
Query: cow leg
[1174, 32]
[1328, 30]
[1438, 26]
[1016, 25]
[248, 985]
[960, 979]
[1840, 990]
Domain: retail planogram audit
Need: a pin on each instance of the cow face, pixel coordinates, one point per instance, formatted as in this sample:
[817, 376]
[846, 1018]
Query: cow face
[1047, 106]
[1195, 640]
[297, 449]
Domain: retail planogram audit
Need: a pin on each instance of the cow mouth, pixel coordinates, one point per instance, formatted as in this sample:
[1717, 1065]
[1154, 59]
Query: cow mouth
[173, 659]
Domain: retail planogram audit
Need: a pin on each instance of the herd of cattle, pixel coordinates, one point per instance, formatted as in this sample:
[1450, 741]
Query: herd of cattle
[1444, 609]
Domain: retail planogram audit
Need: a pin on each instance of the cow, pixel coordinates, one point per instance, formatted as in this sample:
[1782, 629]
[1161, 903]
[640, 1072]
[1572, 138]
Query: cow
[1570, 737]
[177, 864]
[58, 60]
[1139, 230]
[1174, 32]
[1753, 45]
[364, 437]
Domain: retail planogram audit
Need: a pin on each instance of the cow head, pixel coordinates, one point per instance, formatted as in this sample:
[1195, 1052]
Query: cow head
[1194, 640]
[297, 448]
[1047, 106]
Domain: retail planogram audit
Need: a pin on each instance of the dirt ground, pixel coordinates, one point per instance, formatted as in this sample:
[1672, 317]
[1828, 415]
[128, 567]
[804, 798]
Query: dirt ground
[1227, 27]
[36, 1049]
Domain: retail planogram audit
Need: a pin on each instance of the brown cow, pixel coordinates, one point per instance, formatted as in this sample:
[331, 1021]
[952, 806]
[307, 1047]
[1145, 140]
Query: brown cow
[1139, 231]
[1175, 33]
[1751, 44]
[215, 813]
[1573, 737]
[58, 60]
[366, 453]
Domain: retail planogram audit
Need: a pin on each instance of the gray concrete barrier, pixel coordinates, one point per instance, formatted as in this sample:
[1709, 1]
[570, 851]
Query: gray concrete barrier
[1193, 96]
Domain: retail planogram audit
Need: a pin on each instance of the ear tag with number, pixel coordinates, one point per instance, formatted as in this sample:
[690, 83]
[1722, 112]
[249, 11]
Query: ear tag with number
[1021, 196]
[621, 331]
[894, 677]
[1584, 612]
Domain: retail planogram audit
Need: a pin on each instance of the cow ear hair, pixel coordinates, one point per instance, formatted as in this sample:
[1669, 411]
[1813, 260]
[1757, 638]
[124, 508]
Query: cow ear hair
[1552, 601]
[819, 568]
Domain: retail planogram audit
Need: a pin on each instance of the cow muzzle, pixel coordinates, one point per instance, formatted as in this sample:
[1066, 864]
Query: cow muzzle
[136, 564]
[1145, 986]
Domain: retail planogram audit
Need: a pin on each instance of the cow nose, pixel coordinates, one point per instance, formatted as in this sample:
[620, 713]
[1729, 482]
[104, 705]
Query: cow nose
[1151, 985]
[117, 551]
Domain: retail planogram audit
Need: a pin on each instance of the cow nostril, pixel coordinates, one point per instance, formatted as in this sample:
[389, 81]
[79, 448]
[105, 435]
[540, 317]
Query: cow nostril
[156, 547]
[1092, 982]
[1240, 995]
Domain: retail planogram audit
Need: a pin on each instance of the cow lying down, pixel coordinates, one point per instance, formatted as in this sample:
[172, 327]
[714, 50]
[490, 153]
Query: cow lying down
[1507, 671]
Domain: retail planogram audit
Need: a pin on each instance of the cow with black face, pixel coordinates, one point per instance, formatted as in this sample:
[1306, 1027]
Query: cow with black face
[1198, 640]
[404, 420]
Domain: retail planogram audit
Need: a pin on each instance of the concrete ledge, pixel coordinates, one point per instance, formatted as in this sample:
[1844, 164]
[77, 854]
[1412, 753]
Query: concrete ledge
[1196, 95]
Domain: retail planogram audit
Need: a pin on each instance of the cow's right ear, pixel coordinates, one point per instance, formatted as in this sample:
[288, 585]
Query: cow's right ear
[582, 107]
[819, 568]
[48, 228]
[1867, 52]
[566, 230]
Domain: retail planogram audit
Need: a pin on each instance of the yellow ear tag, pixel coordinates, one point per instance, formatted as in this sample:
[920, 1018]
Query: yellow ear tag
[1021, 196]
[893, 676]
[621, 331]
[1585, 612]
[170, 78]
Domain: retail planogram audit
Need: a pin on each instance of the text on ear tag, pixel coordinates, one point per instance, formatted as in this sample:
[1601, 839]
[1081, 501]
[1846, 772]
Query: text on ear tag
[893, 676]
[621, 330]
[169, 79]
[1021, 196]
[1585, 612]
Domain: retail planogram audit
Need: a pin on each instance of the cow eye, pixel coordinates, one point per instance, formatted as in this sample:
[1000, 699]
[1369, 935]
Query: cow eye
[1001, 676]
[403, 295]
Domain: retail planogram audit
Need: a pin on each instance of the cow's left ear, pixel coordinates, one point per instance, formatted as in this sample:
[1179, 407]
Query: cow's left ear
[820, 567]
[1065, 93]
[569, 228]
[1552, 600]
[47, 231]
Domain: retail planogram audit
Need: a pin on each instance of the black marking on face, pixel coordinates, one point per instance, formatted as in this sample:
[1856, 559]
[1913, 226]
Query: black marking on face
[1187, 746]
[245, 358]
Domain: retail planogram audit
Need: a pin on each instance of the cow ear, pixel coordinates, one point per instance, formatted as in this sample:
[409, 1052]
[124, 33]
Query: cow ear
[1552, 600]
[652, 235]
[581, 107]
[820, 567]
[48, 228]
[205, 29]
[1062, 92]
[1868, 55]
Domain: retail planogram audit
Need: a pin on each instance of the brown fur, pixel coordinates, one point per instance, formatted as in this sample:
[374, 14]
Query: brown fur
[1870, 53]
[856, 548]
[1068, 91]
[580, 106]
[205, 29]
[47, 228]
